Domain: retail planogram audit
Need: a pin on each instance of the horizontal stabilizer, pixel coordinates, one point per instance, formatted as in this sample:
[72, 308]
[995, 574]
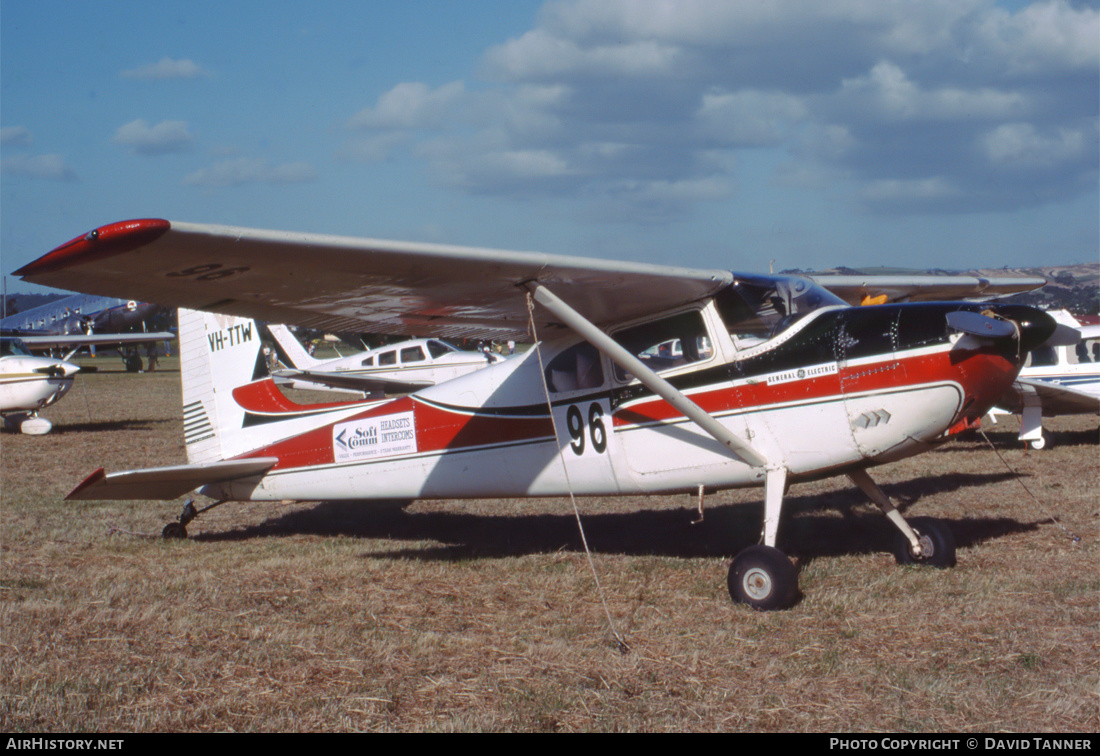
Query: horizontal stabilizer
[353, 382]
[167, 482]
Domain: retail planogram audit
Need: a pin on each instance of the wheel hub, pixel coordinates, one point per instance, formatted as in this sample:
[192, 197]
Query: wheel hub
[757, 583]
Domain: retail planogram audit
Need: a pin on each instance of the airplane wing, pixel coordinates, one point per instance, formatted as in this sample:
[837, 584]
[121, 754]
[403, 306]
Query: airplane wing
[352, 382]
[857, 290]
[349, 284]
[104, 340]
[167, 482]
[1056, 399]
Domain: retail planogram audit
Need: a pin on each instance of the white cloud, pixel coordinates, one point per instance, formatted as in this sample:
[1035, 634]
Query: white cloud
[650, 101]
[411, 105]
[164, 138]
[167, 68]
[16, 136]
[1021, 145]
[51, 167]
[251, 171]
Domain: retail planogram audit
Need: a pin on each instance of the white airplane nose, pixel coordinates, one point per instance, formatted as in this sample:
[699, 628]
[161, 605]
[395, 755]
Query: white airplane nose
[69, 368]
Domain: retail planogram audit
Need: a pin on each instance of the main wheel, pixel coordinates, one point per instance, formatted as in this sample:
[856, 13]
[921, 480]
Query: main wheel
[936, 540]
[764, 578]
[1040, 443]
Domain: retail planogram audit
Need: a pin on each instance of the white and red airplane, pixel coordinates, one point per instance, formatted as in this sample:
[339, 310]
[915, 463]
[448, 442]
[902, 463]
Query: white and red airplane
[394, 368]
[775, 380]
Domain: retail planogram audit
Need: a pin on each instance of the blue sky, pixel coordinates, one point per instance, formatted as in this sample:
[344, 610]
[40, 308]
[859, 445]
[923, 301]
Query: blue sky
[940, 133]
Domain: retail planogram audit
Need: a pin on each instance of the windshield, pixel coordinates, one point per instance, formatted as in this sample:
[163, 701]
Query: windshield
[11, 347]
[758, 308]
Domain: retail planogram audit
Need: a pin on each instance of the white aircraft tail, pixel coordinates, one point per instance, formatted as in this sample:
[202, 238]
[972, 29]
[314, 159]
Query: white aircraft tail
[217, 354]
[290, 350]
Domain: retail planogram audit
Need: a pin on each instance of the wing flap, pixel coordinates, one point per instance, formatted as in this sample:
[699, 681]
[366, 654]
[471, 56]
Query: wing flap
[350, 284]
[166, 482]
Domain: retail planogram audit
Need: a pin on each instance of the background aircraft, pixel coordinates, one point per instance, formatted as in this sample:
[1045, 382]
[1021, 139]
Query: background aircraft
[776, 380]
[394, 368]
[29, 383]
[81, 320]
[1061, 378]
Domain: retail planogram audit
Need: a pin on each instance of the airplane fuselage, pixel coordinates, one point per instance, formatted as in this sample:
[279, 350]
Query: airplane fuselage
[840, 389]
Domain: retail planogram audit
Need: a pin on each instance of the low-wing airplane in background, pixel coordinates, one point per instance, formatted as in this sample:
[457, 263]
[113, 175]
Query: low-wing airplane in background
[1061, 377]
[395, 368]
[28, 384]
[81, 321]
[775, 380]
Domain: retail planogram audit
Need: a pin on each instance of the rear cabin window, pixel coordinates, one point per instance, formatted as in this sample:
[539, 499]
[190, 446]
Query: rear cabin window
[387, 358]
[367, 361]
[667, 343]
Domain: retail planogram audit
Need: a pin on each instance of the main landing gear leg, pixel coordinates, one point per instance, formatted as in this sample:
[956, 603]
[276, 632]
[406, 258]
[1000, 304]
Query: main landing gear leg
[926, 541]
[178, 529]
[762, 576]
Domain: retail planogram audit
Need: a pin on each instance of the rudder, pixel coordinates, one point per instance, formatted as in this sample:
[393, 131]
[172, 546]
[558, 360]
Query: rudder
[217, 354]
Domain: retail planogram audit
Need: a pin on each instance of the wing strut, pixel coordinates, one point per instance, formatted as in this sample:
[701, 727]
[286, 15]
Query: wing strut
[649, 379]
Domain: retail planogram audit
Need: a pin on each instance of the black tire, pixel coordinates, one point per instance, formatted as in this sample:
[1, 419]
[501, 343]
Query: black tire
[764, 578]
[937, 541]
[173, 530]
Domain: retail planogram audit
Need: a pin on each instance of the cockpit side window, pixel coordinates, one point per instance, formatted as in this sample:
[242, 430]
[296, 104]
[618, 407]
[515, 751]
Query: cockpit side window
[758, 308]
[667, 343]
[438, 349]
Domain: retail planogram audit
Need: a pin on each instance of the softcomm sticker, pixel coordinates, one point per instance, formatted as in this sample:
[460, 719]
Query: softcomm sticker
[374, 437]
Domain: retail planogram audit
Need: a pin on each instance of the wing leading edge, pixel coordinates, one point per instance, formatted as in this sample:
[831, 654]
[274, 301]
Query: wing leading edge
[348, 284]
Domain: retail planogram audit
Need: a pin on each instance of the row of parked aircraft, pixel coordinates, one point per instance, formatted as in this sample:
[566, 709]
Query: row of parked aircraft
[643, 379]
[30, 382]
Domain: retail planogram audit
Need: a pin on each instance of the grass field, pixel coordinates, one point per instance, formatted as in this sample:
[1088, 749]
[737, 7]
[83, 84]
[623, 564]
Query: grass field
[484, 615]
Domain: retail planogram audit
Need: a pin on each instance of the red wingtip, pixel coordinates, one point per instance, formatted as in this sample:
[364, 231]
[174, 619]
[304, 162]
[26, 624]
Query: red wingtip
[92, 479]
[99, 243]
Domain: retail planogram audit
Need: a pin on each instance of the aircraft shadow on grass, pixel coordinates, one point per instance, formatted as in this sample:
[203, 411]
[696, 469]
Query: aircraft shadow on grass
[1008, 439]
[109, 425]
[809, 530]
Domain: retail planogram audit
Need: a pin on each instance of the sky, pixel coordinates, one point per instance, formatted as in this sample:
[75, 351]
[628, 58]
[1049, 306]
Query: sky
[952, 134]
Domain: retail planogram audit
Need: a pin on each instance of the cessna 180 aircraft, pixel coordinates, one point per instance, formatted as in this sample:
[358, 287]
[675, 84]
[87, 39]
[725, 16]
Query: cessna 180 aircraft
[774, 380]
[394, 368]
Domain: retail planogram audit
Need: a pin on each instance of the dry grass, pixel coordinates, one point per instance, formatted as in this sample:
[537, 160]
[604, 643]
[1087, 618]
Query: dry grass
[483, 615]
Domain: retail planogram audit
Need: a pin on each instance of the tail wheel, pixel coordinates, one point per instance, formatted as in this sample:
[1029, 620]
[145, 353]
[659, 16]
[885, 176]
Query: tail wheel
[173, 530]
[764, 578]
[937, 544]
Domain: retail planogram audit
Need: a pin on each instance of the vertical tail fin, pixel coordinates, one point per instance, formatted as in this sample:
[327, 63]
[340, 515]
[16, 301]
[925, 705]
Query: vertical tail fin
[217, 354]
[290, 350]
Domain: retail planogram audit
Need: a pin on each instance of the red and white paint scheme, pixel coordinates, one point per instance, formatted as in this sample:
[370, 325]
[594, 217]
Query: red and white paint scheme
[28, 384]
[394, 368]
[645, 379]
